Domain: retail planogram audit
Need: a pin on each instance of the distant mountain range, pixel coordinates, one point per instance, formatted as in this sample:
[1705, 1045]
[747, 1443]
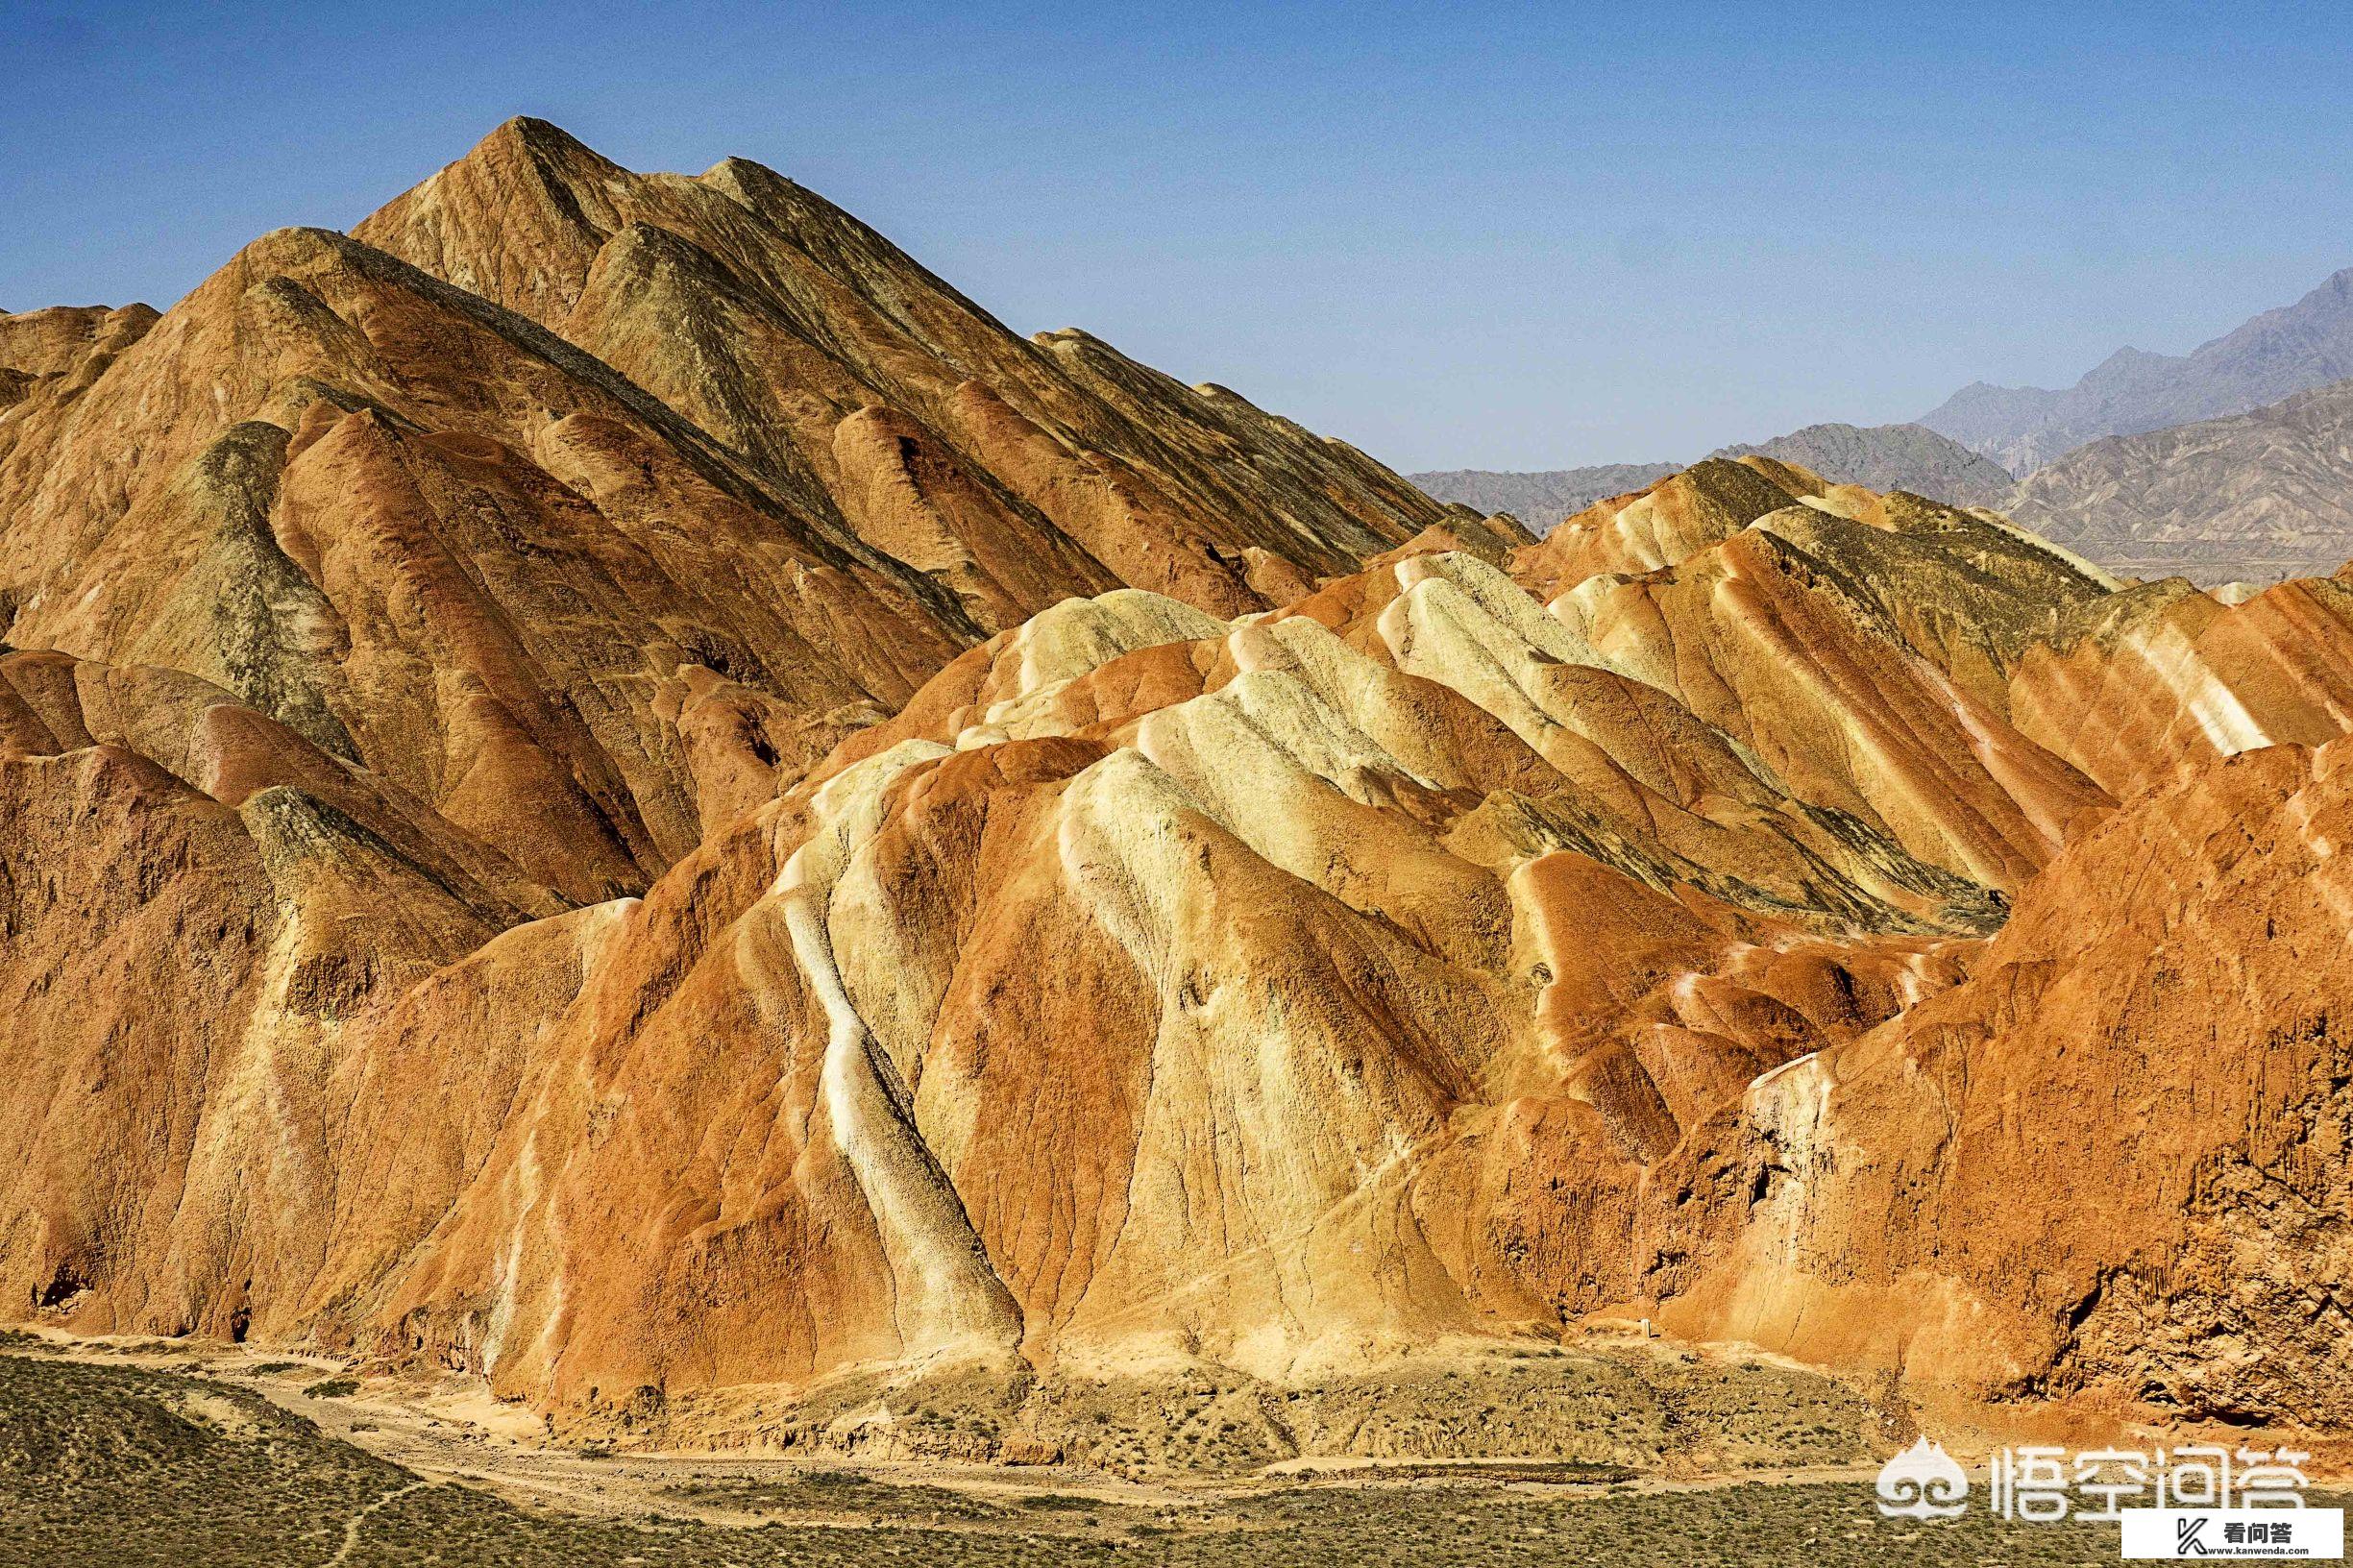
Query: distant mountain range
[1880, 457]
[2233, 460]
[2258, 495]
[1543, 497]
[1888, 458]
[2275, 355]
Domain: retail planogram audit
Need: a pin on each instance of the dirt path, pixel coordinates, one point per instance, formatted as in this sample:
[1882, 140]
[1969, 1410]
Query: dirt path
[353, 1527]
[449, 1429]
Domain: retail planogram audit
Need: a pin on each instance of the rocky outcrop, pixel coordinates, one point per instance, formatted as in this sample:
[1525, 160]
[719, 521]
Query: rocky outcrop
[2112, 1163]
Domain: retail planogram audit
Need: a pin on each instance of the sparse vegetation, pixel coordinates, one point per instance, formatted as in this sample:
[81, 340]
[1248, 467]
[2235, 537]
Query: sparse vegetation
[102, 1464]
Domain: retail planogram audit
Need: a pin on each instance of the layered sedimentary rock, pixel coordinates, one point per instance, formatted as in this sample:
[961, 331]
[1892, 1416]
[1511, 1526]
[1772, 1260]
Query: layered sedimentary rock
[646, 804]
[1018, 471]
[446, 546]
[579, 591]
[2146, 687]
[2115, 1158]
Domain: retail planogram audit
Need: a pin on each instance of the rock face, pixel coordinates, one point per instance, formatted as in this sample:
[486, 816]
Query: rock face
[644, 804]
[2274, 355]
[2259, 496]
[2115, 1157]
[587, 596]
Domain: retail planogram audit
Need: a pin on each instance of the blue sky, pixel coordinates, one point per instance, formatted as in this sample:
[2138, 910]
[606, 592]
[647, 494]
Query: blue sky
[1482, 236]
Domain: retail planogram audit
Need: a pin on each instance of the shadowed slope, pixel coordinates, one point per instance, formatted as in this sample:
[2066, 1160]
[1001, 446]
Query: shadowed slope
[441, 543]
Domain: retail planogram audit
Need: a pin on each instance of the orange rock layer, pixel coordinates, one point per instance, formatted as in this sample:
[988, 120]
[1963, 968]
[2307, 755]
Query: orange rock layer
[607, 784]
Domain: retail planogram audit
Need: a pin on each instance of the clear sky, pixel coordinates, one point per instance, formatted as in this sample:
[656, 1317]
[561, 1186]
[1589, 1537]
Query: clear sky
[1499, 236]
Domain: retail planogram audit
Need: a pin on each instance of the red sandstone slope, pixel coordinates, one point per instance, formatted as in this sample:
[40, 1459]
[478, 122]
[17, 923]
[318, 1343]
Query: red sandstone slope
[446, 546]
[633, 591]
[2115, 1158]
[654, 808]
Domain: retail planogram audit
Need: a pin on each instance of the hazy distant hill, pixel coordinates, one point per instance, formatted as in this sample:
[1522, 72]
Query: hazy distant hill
[1539, 498]
[1890, 458]
[1882, 456]
[2259, 495]
[2274, 355]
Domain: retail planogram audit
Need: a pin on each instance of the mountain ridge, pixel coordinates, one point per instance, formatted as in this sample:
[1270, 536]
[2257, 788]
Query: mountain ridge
[2273, 355]
[1887, 457]
[1539, 497]
[1879, 457]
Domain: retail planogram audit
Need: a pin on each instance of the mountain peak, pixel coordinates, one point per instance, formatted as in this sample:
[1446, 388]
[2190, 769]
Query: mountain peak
[746, 176]
[525, 154]
[544, 138]
[2269, 357]
[518, 219]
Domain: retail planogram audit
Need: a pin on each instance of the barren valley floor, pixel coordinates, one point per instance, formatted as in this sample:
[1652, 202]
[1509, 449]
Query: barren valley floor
[150, 1460]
